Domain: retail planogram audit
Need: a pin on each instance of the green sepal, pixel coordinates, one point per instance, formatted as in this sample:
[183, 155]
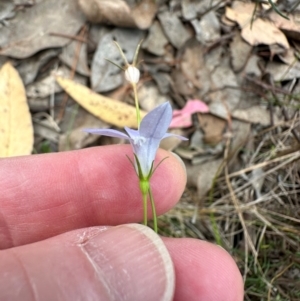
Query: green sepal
[122, 53]
[153, 170]
[136, 53]
[139, 172]
[115, 64]
[132, 165]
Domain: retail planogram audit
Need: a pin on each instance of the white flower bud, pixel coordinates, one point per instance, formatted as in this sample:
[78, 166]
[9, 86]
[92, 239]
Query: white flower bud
[132, 74]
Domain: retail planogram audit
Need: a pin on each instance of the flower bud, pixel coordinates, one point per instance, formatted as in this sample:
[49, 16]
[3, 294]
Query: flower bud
[132, 74]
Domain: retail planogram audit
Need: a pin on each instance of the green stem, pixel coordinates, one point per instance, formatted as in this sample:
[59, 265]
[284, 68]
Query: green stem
[145, 209]
[277, 10]
[153, 210]
[136, 53]
[138, 115]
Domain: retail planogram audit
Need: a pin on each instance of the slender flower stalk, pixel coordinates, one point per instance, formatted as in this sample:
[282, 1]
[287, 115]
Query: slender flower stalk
[153, 210]
[138, 115]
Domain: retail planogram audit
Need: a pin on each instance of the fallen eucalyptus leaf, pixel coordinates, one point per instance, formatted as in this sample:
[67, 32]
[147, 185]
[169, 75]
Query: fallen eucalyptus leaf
[16, 129]
[207, 28]
[109, 110]
[224, 100]
[194, 66]
[174, 29]
[264, 32]
[290, 27]
[156, 40]
[29, 31]
[213, 128]
[67, 56]
[47, 86]
[257, 32]
[239, 52]
[202, 175]
[255, 114]
[118, 12]
[29, 68]
[6, 9]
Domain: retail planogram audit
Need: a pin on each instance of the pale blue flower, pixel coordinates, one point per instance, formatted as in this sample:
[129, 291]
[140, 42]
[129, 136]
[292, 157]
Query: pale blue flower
[145, 141]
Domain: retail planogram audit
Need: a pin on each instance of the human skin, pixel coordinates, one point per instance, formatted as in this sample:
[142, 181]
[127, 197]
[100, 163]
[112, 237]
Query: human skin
[68, 232]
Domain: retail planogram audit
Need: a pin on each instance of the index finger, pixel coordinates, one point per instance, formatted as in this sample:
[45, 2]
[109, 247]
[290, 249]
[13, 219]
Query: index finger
[45, 195]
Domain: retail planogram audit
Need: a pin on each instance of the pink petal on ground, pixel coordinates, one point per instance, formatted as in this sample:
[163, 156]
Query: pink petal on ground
[183, 118]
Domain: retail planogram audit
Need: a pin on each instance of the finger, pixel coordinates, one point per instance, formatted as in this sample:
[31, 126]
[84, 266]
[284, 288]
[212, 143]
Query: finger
[127, 262]
[45, 195]
[204, 271]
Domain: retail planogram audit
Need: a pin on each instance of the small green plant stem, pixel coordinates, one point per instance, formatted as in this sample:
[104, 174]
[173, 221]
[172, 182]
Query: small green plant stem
[153, 210]
[138, 114]
[145, 199]
[276, 9]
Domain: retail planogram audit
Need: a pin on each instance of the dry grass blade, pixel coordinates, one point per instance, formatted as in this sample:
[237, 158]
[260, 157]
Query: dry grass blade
[235, 201]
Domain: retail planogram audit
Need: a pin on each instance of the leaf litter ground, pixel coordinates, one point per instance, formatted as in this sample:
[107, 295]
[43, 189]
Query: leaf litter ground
[237, 61]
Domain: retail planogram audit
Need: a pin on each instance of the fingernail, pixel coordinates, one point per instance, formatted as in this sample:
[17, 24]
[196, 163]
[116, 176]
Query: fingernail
[180, 161]
[133, 262]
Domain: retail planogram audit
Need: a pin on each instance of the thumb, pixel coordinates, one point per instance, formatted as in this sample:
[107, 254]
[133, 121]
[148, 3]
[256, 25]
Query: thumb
[128, 262]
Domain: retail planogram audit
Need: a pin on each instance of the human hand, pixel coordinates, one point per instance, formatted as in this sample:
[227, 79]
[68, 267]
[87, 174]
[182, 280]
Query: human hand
[53, 249]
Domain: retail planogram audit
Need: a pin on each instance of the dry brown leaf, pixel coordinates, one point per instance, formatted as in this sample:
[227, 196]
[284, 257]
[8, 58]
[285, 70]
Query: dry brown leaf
[156, 40]
[239, 52]
[182, 84]
[29, 31]
[202, 175]
[16, 129]
[143, 13]
[109, 110]
[255, 114]
[207, 28]
[193, 66]
[290, 27]
[224, 100]
[281, 72]
[260, 31]
[174, 29]
[241, 13]
[213, 128]
[264, 32]
[118, 12]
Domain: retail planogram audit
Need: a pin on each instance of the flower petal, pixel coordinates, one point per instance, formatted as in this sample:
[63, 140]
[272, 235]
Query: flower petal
[145, 151]
[132, 133]
[155, 124]
[107, 132]
[145, 141]
[140, 147]
[135, 137]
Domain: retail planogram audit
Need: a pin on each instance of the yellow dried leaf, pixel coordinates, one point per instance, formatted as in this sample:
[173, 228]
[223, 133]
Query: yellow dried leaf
[109, 110]
[16, 131]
